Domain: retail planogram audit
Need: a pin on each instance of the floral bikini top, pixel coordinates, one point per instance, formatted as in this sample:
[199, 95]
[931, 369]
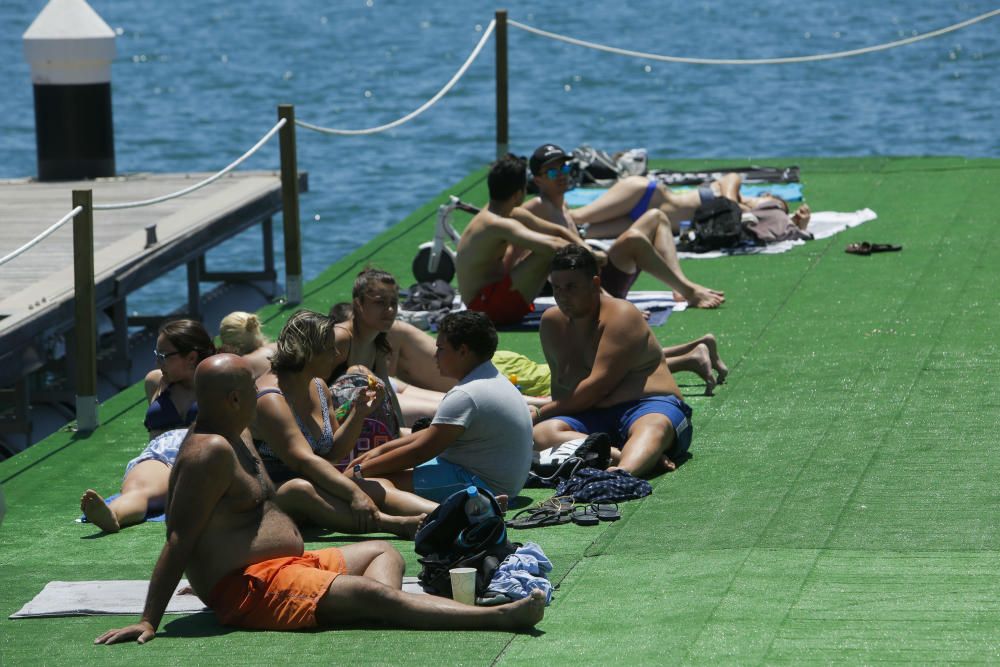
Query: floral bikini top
[324, 444]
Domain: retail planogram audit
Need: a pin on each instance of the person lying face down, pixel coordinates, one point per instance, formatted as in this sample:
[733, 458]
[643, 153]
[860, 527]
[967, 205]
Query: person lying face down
[245, 558]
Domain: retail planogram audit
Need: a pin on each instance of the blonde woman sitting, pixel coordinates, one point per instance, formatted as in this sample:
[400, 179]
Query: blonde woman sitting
[300, 439]
[240, 334]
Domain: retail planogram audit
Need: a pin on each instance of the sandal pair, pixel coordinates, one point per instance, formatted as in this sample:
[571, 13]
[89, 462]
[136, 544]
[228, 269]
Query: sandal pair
[866, 248]
[549, 512]
[594, 513]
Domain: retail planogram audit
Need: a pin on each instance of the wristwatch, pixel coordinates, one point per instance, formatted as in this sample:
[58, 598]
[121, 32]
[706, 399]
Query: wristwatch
[357, 471]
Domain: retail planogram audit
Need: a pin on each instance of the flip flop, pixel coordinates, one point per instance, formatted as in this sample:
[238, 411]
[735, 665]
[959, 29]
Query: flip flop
[585, 516]
[606, 511]
[550, 512]
[866, 248]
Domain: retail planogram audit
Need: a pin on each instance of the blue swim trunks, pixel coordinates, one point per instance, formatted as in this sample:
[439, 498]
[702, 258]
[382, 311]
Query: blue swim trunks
[618, 419]
[437, 479]
[643, 204]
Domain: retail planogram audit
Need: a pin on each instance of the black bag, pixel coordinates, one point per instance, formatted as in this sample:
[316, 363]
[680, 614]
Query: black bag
[552, 466]
[718, 225]
[434, 295]
[483, 545]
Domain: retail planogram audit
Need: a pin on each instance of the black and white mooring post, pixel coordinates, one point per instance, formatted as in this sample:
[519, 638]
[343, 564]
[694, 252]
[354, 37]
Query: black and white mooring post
[70, 49]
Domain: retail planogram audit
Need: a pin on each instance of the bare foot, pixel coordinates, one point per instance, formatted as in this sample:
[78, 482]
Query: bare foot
[703, 297]
[703, 368]
[666, 465]
[97, 512]
[525, 613]
[721, 370]
[401, 526]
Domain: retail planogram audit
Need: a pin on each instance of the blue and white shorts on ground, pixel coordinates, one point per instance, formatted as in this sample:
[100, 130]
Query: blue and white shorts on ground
[162, 448]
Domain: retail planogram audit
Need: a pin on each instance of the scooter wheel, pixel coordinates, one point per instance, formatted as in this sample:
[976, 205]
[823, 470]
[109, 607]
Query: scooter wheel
[445, 269]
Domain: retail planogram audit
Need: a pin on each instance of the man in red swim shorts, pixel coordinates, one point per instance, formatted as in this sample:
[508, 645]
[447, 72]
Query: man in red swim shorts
[504, 254]
[244, 557]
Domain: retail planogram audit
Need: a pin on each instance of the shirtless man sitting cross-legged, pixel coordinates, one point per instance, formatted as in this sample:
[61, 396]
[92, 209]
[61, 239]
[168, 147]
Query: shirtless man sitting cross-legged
[244, 557]
[608, 373]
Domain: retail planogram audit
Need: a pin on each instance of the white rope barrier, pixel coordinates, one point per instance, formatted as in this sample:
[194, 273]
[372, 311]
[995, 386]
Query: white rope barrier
[426, 105]
[201, 184]
[41, 237]
[756, 61]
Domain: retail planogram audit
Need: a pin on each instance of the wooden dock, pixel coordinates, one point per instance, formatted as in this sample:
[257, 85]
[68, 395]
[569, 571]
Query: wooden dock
[132, 247]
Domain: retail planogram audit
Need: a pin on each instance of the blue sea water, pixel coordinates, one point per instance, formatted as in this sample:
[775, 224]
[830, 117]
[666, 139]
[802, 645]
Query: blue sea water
[196, 84]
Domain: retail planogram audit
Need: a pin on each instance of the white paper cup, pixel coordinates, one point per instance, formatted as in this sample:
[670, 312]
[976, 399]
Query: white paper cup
[463, 584]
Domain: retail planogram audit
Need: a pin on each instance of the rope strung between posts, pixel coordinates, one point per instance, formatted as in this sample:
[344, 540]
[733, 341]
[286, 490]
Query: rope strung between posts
[201, 184]
[756, 61]
[41, 237]
[426, 105]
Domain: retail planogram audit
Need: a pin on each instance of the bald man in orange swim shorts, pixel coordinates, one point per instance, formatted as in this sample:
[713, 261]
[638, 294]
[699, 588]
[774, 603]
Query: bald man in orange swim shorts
[244, 557]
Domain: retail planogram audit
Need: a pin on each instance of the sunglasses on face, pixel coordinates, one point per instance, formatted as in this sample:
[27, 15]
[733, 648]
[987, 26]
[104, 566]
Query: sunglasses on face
[161, 357]
[554, 172]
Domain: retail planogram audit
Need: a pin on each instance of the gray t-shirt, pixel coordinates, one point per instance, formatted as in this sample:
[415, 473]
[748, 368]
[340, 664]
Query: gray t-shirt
[496, 443]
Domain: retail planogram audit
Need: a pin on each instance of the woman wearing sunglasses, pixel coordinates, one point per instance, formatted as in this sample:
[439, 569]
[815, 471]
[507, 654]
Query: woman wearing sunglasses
[180, 346]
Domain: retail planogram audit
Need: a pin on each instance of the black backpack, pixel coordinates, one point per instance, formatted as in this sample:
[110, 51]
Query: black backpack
[483, 545]
[718, 225]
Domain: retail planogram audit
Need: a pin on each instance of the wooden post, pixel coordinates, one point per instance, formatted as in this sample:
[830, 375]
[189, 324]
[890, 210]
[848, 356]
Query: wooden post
[85, 327]
[503, 141]
[290, 205]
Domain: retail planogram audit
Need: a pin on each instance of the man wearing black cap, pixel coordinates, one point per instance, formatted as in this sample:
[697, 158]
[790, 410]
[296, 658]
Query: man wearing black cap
[646, 245]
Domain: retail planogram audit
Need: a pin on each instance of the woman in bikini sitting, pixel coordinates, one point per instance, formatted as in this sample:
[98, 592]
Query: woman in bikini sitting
[300, 440]
[180, 346]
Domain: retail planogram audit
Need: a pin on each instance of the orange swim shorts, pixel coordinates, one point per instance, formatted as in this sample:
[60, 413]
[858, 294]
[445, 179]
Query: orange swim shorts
[277, 594]
[501, 303]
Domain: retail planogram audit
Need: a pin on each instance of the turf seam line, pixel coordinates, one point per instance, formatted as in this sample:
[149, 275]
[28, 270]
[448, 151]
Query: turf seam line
[874, 450]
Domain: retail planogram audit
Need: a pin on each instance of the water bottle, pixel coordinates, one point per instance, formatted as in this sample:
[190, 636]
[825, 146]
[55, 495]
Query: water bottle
[478, 506]
[478, 509]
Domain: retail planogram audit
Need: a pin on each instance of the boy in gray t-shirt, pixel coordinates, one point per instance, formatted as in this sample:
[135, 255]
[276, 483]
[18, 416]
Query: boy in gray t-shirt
[481, 433]
[496, 443]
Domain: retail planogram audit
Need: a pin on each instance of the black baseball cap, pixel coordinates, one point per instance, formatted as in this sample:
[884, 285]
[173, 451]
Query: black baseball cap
[544, 154]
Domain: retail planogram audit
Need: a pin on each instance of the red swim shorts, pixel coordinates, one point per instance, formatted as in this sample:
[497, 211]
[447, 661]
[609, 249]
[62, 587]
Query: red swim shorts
[501, 303]
[277, 594]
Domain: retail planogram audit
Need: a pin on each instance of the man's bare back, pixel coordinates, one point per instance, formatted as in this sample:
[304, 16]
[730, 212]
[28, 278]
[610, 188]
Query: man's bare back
[481, 252]
[244, 526]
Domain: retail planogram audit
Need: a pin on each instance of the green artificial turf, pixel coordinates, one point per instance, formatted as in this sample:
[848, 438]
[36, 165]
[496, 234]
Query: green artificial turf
[840, 504]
